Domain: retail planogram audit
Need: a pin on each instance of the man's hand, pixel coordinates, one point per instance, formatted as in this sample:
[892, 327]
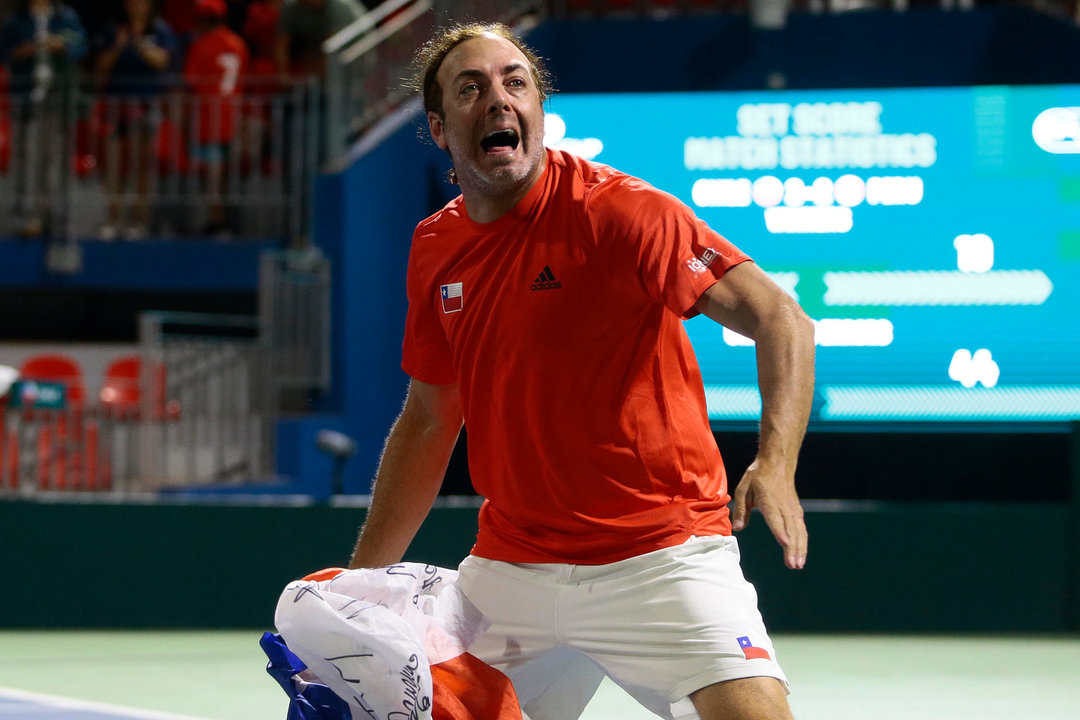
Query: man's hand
[751, 304]
[774, 495]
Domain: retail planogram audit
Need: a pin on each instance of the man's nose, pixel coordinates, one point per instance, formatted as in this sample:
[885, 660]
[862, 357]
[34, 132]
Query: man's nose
[499, 99]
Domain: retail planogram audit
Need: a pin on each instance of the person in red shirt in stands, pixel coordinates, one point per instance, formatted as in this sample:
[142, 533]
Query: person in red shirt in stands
[215, 68]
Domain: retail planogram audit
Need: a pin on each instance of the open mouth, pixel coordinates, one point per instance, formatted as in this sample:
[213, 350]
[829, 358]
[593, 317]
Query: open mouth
[500, 140]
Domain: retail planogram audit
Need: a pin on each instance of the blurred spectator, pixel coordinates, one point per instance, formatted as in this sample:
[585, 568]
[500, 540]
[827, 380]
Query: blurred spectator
[134, 57]
[184, 21]
[260, 31]
[183, 18]
[43, 44]
[302, 28]
[215, 68]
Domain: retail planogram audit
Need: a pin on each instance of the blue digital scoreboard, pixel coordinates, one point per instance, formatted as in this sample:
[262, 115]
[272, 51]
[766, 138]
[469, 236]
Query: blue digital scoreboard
[932, 234]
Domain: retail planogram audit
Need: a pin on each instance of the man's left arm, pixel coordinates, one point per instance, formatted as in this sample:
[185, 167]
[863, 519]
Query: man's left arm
[748, 302]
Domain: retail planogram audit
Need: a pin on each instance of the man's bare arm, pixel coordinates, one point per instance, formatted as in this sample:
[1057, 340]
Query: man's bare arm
[749, 303]
[410, 473]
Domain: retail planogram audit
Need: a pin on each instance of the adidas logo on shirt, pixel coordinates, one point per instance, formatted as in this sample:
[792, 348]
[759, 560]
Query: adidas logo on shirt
[546, 281]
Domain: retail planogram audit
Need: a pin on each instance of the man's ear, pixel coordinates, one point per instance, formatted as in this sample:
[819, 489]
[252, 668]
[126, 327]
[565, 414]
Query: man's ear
[435, 125]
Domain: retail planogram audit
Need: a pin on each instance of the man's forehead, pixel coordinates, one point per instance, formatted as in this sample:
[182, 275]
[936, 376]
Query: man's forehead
[479, 52]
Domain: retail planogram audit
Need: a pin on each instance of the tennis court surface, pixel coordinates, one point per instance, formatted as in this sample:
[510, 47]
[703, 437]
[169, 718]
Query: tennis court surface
[218, 675]
[34, 706]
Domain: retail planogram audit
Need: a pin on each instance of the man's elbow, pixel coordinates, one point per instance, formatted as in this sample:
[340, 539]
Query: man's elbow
[790, 319]
[802, 320]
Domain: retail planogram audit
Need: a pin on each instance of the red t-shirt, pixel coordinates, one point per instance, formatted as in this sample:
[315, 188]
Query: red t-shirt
[560, 321]
[215, 68]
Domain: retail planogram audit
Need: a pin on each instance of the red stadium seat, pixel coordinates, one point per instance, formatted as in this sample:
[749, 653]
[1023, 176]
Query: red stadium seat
[59, 451]
[120, 394]
[60, 369]
[121, 391]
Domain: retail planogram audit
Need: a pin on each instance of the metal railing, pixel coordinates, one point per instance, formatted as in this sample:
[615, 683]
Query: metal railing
[207, 407]
[46, 449]
[196, 404]
[193, 407]
[294, 311]
[76, 163]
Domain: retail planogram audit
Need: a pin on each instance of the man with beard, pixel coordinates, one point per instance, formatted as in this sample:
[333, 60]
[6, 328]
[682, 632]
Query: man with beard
[545, 307]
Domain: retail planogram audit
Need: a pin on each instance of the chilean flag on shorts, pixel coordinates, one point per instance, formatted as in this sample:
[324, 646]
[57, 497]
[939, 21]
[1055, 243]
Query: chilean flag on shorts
[451, 297]
[752, 652]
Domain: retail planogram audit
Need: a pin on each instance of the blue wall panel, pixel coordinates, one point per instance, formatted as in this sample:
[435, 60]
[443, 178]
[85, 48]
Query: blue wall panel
[869, 48]
[181, 265]
[366, 218]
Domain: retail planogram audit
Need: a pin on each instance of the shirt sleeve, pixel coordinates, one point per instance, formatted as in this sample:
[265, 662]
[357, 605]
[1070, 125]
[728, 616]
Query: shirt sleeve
[425, 352]
[678, 257]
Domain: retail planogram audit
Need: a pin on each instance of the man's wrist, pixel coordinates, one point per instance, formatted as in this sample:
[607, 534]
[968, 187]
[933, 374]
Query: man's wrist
[775, 462]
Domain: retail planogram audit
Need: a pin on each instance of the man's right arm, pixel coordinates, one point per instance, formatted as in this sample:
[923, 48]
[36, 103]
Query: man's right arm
[410, 473]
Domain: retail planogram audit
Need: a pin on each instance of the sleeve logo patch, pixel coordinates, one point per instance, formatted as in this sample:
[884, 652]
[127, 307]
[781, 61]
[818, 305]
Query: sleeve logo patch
[452, 297]
[698, 265]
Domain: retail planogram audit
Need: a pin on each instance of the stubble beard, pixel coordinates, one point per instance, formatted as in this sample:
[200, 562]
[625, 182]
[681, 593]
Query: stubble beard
[503, 179]
[500, 179]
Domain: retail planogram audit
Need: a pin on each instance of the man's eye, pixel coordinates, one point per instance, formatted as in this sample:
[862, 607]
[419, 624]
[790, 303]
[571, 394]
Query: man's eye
[470, 88]
[516, 82]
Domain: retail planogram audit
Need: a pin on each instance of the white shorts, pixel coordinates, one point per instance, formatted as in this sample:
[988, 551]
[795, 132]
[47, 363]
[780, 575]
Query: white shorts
[661, 625]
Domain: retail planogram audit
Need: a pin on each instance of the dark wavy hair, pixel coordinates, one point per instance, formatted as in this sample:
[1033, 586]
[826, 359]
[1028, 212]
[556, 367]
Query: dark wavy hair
[430, 56]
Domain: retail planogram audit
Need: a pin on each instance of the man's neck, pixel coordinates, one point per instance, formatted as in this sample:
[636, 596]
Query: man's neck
[484, 206]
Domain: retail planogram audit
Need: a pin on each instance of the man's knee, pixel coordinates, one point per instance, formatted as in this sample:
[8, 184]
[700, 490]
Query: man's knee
[755, 698]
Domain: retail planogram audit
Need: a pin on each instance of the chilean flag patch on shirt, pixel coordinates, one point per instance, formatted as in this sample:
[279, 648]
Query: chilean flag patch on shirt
[752, 652]
[451, 297]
